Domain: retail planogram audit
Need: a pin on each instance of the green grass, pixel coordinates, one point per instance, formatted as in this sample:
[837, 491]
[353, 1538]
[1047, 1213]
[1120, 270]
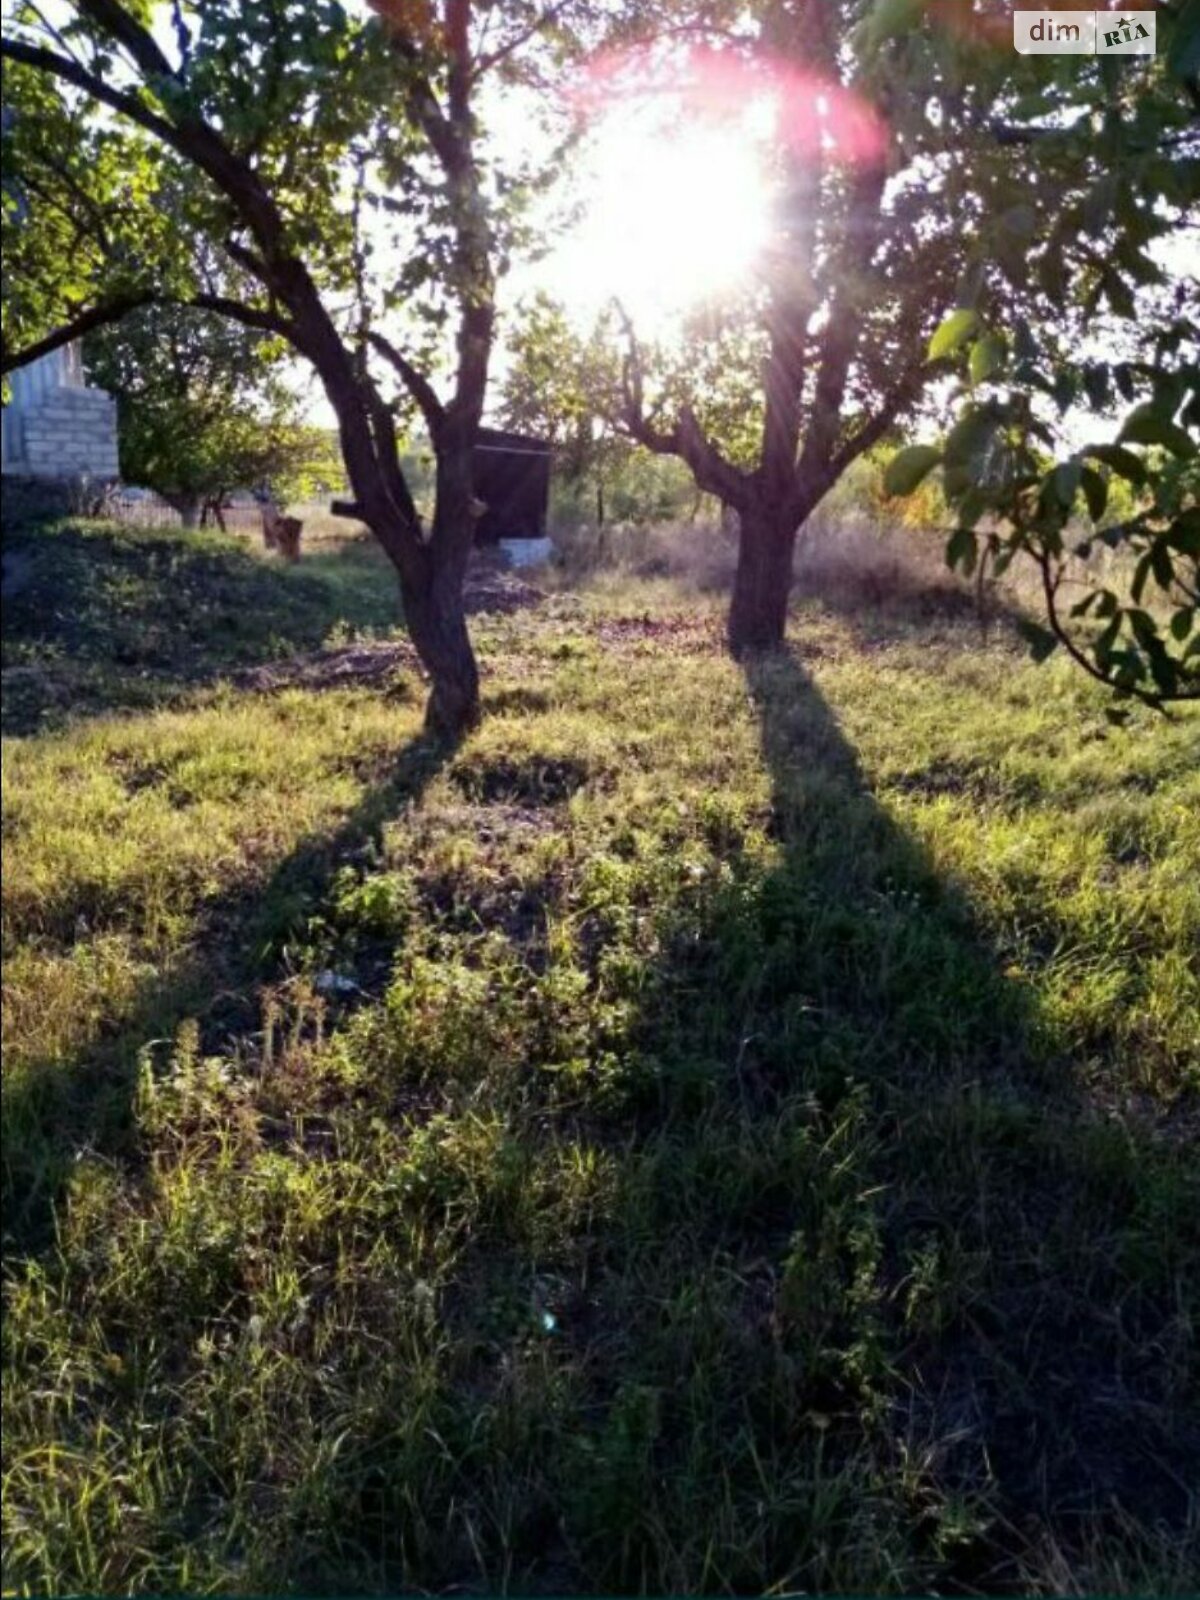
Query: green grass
[105, 617]
[759, 1152]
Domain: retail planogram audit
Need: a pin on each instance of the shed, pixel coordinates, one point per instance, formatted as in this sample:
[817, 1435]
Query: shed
[512, 478]
[512, 481]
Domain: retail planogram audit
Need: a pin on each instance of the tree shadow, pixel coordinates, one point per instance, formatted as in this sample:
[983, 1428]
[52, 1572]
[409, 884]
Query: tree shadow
[58, 1110]
[783, 1256]
[875, 1301]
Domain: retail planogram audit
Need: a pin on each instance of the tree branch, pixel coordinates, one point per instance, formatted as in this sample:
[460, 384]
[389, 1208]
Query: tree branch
[686, 439]
[69, 71]
[841, 337]
[1050, 583]
[236, 311]
[417, 384]
[895, 401]
[511, 46]
[109, 311]
[97, 316]
[113, 18]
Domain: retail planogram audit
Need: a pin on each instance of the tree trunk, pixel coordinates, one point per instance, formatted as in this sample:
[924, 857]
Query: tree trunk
[188, 507]
[758, 613]
[437, 625]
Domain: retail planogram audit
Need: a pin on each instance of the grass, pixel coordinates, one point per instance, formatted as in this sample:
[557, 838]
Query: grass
[709, 1132]
[103, 616]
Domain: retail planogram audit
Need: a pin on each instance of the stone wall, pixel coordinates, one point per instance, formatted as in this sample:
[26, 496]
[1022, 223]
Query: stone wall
[71, 433]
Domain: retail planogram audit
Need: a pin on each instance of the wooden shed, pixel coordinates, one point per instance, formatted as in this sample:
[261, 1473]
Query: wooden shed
[512, 478]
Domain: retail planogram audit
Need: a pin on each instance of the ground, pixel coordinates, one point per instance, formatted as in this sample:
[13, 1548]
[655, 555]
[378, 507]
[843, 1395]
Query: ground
[711, 1131]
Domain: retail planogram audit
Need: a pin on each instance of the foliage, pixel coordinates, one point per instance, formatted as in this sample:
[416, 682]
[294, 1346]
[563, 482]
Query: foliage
[759, 1132]
[928, 181]
[555, 387]
[1014, 497]
[317, 172]
[1126, 336]
[204, 408]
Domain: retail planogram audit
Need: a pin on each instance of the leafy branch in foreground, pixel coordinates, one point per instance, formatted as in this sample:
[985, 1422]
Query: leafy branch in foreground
[1136, 625]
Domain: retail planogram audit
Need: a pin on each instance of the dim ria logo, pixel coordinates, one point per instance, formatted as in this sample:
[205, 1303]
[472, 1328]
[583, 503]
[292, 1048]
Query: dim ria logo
[1084, 33]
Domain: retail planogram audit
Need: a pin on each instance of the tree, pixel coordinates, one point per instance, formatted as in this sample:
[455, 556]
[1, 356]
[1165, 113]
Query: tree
[922, 168]
[229, 159]
[203, 408]
[555, 387]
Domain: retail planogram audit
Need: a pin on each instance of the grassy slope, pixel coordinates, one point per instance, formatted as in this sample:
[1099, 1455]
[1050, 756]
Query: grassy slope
[761, 1150]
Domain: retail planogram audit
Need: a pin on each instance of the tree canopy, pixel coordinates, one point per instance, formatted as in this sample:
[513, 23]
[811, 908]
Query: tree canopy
[929, 181]
[204, 408]
[324, 175]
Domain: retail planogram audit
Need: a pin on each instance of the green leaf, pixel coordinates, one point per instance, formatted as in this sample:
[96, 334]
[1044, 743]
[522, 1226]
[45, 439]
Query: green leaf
[1095, 490]
[1183, 622]
[1150, 427]
[1064, 483]
[1123, 462]
[1042, 643]
[953, 333]
[1161, 564]
[909, 467]
[1024, 344]
[988, 356]
[962, 550]
[1096, 385]
[1184, 533]
[969, 438]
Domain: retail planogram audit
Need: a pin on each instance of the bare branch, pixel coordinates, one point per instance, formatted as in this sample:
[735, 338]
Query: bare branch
[686, 439]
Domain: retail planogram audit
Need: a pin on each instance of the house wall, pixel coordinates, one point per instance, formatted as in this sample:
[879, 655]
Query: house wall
[56, 427]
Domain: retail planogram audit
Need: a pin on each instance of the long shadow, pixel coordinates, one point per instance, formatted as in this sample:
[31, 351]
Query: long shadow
[58, 1109]
[862, 1301]
[1029, 1277]
[874, 1304]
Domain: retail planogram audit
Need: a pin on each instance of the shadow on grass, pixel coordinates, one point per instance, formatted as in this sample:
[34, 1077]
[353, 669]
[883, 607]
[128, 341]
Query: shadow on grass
[872, 1306]
[782, 1257]
[99, 618]
[55, 1111]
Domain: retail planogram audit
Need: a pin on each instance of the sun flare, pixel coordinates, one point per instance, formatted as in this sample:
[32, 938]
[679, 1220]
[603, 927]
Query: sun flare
[671, 216]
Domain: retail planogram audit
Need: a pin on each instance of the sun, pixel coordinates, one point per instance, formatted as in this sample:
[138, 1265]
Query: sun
[671, 215]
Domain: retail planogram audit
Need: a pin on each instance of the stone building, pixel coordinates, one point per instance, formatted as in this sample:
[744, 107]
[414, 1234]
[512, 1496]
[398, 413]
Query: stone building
[55, 426]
